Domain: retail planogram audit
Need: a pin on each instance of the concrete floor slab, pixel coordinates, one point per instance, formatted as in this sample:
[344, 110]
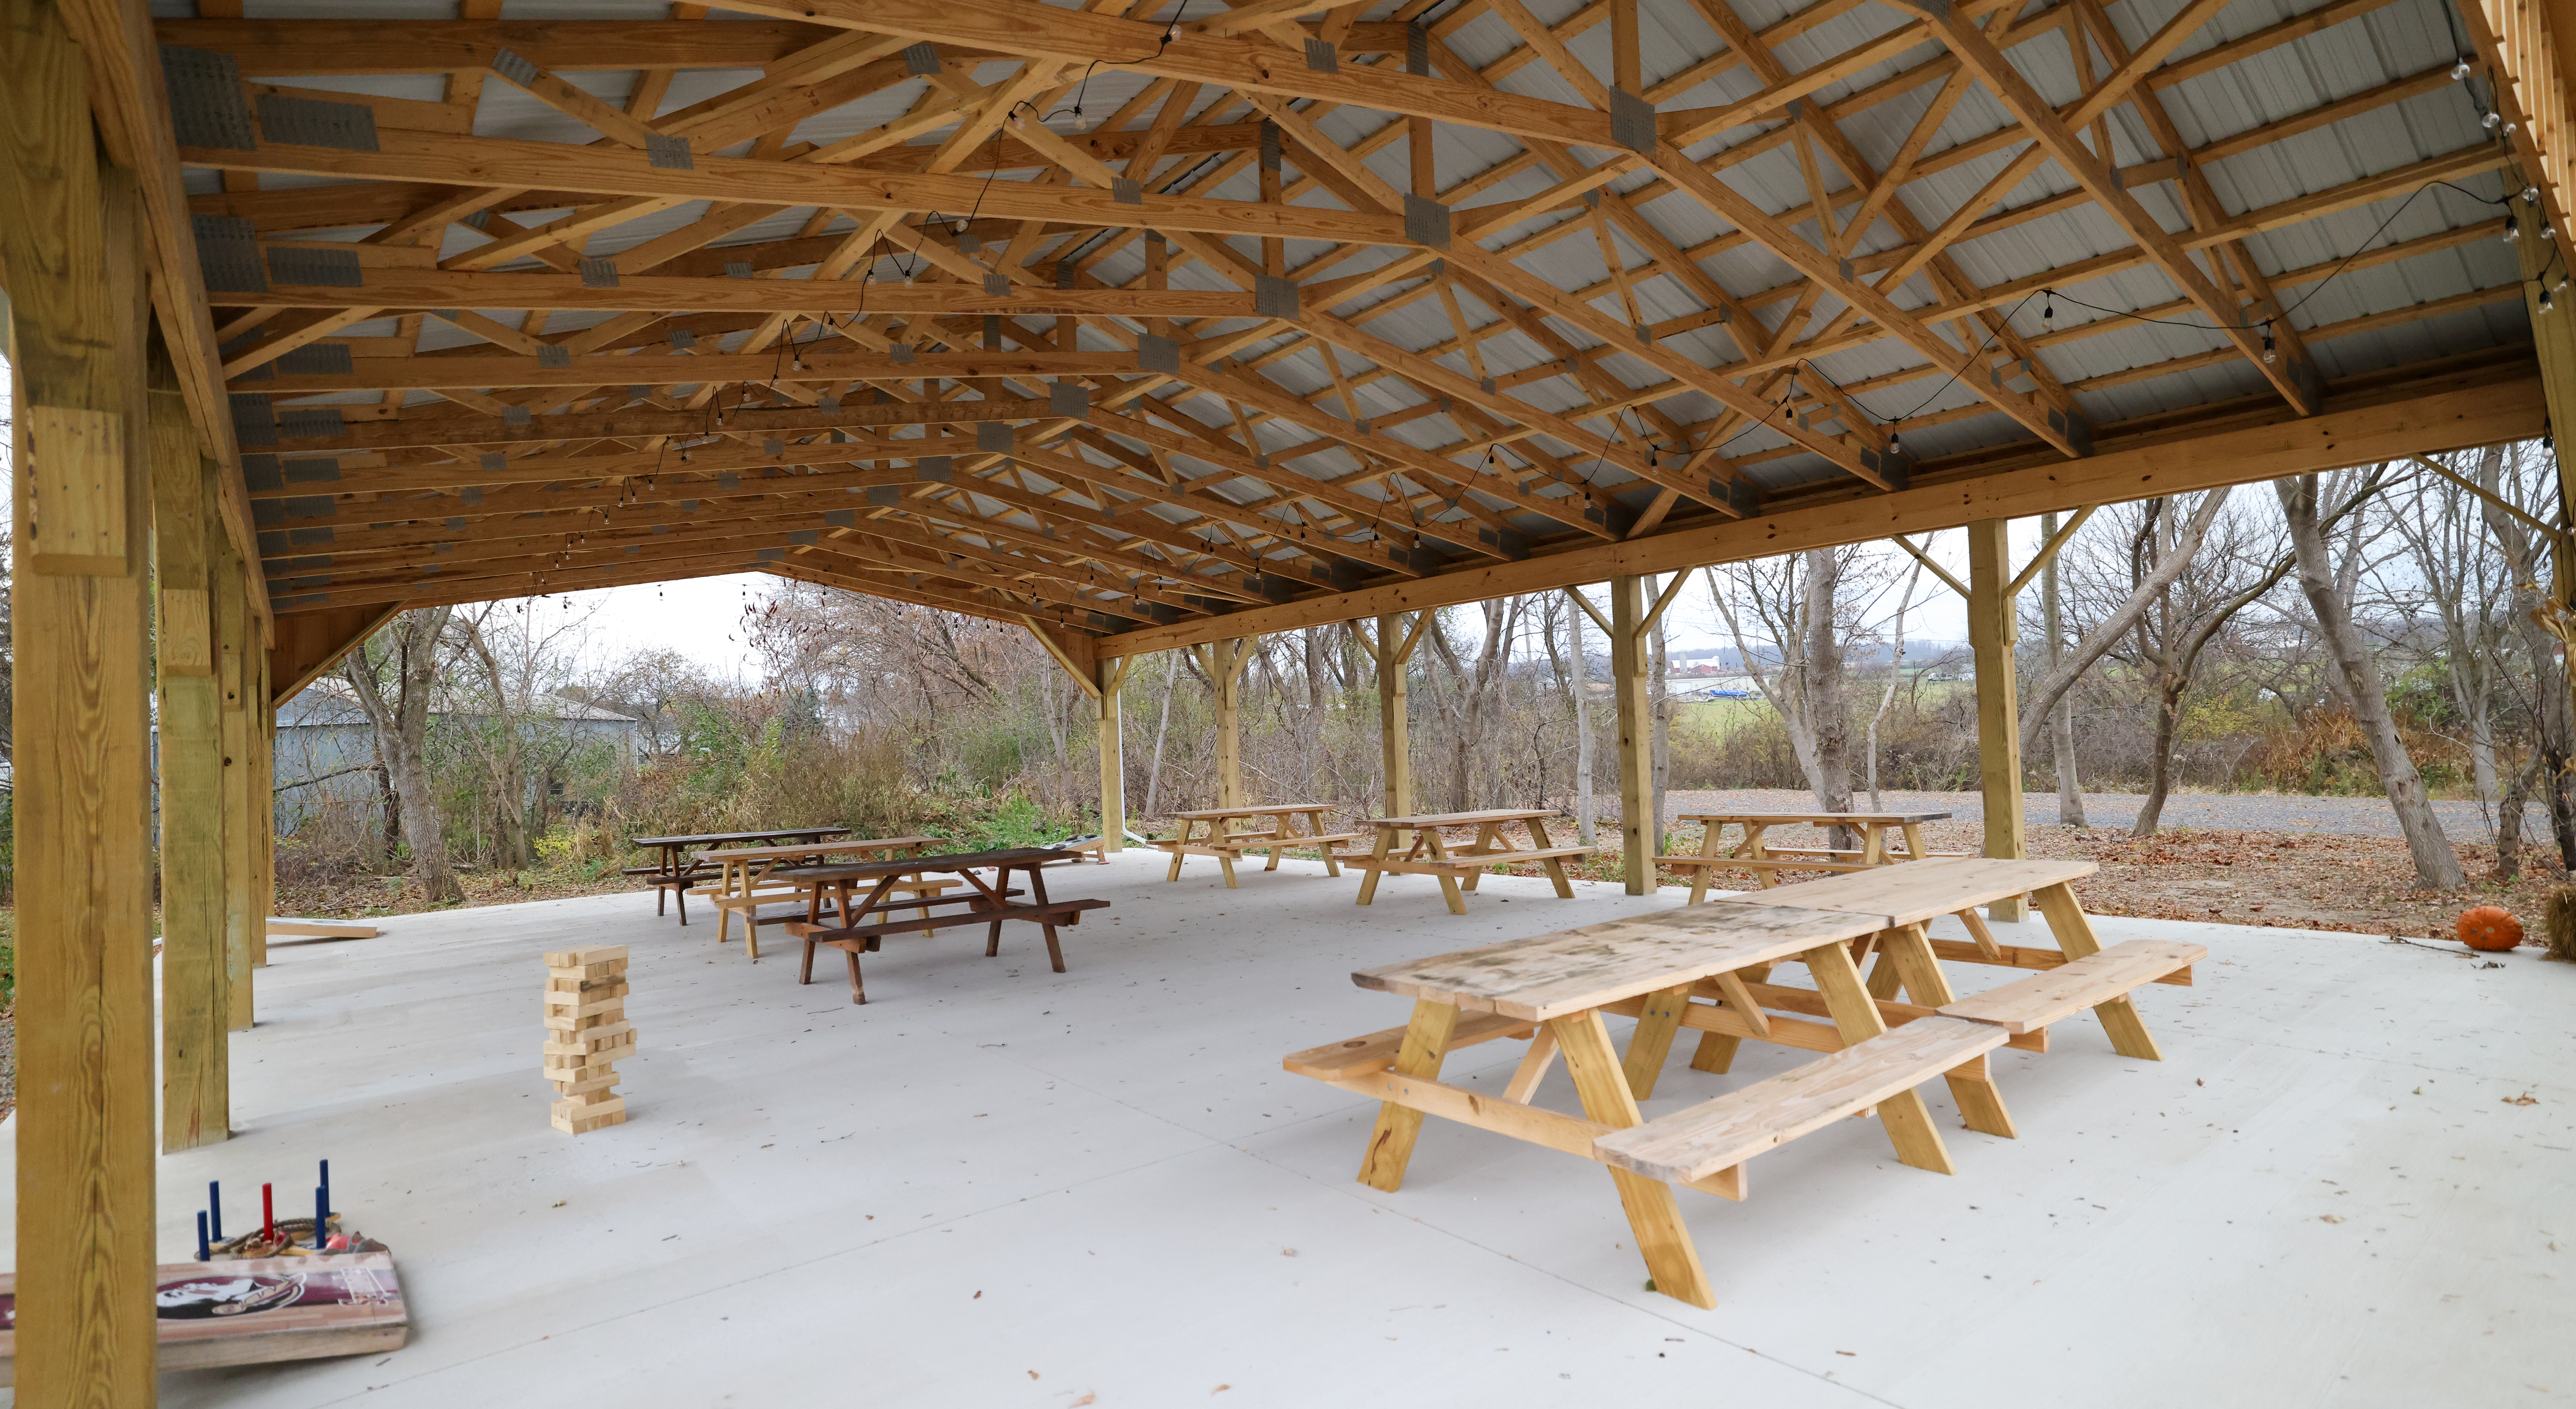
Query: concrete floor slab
[997, 1185]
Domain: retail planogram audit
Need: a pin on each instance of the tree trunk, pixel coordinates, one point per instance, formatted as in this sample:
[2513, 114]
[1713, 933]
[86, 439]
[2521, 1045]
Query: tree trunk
[1582, 676]
[1162, 727]
[2070, 790]
[402, 740]
[2436, 865]
[2160, 767]
[1660, 737]
[2509, 820]
[1827, 719]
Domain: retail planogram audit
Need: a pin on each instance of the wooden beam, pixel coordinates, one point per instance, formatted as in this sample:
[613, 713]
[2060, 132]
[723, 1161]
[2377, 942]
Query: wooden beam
[311, 644]
[422, 289]
[248, 801]
[2477, 401]
[74, 247]
[1992, 630]
[196, 1002]
[279, 48]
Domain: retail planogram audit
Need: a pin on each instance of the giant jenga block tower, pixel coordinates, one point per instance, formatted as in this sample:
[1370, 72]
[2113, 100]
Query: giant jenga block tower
[586, 1032]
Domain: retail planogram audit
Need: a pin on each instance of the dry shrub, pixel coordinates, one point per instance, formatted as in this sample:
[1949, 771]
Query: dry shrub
[2558, 919]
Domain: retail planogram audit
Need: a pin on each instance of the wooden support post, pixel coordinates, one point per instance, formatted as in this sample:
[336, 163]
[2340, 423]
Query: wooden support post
[1636, 722]
[1991, 634]
[246, 906]
[2553, 342]
[196, 1003]
[261, 784]
[1111, 681]
[72, 242]
[1231, 656]
[1394, 741]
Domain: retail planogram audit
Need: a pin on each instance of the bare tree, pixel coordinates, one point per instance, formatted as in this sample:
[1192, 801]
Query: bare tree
[2436, 865]
[2174, 555]
[2070, 789]
[411, 663]
[1895, 673]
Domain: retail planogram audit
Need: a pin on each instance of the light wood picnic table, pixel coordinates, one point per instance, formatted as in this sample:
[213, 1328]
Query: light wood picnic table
[746, 877]
[1765, 859]
[1431, 855]
[669, 877]
[852, 931]
[1704, 966]
[1210, 832]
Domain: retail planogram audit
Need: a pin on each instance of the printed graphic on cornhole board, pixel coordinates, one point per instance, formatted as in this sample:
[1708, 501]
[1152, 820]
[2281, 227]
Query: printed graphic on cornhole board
[254, 1310]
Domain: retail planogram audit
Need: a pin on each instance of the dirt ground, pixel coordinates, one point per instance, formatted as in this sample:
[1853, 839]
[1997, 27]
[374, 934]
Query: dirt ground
[2295, 880]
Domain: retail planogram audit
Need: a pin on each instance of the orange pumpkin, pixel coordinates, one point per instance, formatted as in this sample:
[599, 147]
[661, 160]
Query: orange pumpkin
[2490, 927]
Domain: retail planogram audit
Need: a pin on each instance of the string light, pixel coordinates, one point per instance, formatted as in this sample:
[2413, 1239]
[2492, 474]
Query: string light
[2512, 229]
[2269, 353]
[2489, 119]
[2545, 304]
[2459, 70]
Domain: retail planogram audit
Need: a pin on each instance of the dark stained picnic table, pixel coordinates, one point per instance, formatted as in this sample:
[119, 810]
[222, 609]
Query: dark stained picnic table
[669, 876]
[984, 902]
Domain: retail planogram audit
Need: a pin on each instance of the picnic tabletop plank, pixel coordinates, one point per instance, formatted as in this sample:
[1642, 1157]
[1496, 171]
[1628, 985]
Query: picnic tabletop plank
[819, 848]
[907, 865]
[1218, 814]
[720, 838]
[1920, 890]
[1578, 969]
[1815, 819]
[1462, 819]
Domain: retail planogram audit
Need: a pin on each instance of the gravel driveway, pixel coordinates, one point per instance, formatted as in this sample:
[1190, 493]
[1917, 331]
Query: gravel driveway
[2345, 816]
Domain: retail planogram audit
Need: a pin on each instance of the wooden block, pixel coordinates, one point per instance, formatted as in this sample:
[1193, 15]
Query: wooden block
[606, 968]
[586, 955]
[590, 1098]
[317, 929]
[596, 1015]
[74, 476]
[581, 1120]
[590, 1083]
[593, 1042]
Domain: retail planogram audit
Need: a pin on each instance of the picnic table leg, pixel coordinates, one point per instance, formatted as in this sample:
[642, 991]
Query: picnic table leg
[1908, 952]
[2074, 931]
[1653, 1214]
[1179, 841]
[858, 986]
[1913, 841]
[1377, 859]
[1279, 848]
[1533, 1068]
[1652, 1041]
[1037, 892]
[1753, 847]
[1315, 828]
[1448, 883]
[1390, 1146]
[1488, 837]
[1708, 847]
[1909, 1123]
[1873, 844]
[1554, 866]
[1717, 1050]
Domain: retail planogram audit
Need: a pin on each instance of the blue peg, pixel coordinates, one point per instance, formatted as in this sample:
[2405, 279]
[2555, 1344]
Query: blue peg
[215, 1209]
[205, 1249]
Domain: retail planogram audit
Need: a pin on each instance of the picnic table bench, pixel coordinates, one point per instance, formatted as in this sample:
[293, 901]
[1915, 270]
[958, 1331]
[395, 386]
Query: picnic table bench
[1221, 841]
[985, 902]
[1701, 966]
[669, 877]
[1431, 855]
[749, 877]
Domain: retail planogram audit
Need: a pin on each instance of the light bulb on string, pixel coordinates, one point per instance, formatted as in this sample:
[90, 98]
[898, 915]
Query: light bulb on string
[2512, 229]
[2459, 70]
[2270, 354]
[2545, 304]
[2489, 119]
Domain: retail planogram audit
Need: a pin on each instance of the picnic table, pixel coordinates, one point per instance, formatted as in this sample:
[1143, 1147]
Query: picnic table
[1279, 835]
[1704, 966]
[748, 877]
[1752, 853]
[1430, 855]
[669, 877]
[835, 889]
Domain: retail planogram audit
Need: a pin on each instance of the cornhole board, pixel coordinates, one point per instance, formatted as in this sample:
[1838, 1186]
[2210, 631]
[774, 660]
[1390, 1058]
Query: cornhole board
[256, 1310]
[318, 929]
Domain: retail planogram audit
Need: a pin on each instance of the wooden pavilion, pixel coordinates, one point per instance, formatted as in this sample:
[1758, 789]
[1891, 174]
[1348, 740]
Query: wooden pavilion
[1145, 325]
